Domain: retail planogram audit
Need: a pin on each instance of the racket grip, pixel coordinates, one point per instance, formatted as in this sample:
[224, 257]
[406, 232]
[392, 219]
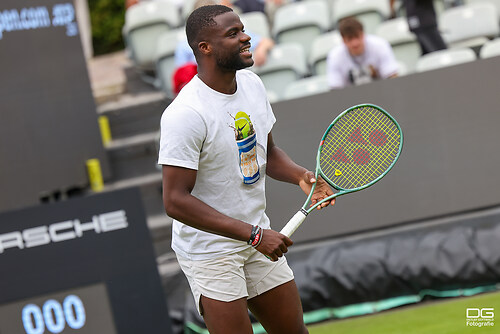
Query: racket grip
[293, 223]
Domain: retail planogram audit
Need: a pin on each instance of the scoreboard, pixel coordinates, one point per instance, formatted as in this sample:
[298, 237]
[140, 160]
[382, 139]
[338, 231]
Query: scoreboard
[80, 310]
[83, 266]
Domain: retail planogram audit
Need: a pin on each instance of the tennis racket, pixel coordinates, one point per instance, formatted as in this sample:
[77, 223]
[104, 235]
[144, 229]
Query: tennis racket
[359, 148]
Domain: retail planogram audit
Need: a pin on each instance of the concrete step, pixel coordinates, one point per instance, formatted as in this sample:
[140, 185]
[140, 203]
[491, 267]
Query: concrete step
[151, 190]
[139, 139]
[134, 114]
[133, 156]
[134, 122]
[134, 108]
[161, 232]
[133, 161]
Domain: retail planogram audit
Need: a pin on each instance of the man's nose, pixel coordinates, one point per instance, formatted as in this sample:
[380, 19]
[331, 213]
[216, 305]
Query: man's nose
[244, 37]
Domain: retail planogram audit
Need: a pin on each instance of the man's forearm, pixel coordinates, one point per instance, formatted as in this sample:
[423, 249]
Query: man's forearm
[282, 168]
[184, 207]
[193, 212]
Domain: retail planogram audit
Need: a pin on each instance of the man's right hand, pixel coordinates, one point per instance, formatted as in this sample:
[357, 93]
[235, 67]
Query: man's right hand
[274, 244]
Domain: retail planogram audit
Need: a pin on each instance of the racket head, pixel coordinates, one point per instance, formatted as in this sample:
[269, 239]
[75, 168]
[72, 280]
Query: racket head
[359, 148]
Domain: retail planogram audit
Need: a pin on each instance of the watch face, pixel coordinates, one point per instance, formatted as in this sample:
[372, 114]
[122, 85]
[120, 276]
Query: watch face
[80, 310]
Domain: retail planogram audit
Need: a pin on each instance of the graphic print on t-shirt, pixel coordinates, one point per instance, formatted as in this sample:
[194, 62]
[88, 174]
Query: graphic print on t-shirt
[246, 139]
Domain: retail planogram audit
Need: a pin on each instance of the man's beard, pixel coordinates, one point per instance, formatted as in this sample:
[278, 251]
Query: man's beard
[231, 63]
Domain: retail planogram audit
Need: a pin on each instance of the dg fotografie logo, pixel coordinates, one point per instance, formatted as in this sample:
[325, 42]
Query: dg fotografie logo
[480, 317]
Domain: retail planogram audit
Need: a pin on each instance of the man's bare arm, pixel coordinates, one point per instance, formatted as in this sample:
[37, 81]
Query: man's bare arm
[179, 204]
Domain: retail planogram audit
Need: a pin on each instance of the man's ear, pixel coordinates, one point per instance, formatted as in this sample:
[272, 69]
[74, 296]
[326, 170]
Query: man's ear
[204, 47]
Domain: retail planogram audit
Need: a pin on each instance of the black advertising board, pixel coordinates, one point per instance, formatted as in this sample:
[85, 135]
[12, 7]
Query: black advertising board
[449, 163]
[84, 266]
[48, 120]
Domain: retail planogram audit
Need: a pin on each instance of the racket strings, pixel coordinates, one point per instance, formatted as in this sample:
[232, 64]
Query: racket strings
[360, 147]
[361, 170]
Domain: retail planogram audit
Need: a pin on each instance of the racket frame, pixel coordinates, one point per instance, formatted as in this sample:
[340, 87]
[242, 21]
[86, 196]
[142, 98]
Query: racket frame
[304, 211]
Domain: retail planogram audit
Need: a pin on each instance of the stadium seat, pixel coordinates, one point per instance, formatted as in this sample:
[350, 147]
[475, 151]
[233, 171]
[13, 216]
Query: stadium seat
[144, 23]
[272, 96]
[441, 5]
[370, 13]
[496, 3]
[469, 25]
[328, 2]
[403, 69]
[187, 8]
[490, 49]
[165, 58]
[307, 86]
[285, 63]
[320, 48]
[256, 22]
[301, 22]
[444, 58]
[404, 43]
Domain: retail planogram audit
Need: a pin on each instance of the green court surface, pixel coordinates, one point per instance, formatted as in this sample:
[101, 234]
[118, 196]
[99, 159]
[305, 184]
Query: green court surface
[433, 317]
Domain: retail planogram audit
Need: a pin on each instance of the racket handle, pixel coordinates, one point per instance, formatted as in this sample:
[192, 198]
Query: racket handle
[294, 223]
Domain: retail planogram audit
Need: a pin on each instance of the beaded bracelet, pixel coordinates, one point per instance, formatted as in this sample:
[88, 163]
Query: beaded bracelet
[258, 238]
[255, 236]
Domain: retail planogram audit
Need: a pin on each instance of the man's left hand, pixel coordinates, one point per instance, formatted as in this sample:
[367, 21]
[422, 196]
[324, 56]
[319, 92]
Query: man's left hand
[321, 191]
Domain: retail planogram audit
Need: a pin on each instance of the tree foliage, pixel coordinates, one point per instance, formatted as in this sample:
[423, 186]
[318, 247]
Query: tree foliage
[107, 18]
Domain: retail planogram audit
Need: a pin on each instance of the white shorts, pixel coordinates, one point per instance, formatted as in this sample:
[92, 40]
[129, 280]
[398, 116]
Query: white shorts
[247, 273]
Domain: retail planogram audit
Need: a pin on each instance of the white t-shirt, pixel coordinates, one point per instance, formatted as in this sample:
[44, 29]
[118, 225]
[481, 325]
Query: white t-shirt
[342, 68]
[198, 132]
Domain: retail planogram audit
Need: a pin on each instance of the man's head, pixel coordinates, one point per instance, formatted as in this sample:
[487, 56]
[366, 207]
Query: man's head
[353, 35]
[216, 32]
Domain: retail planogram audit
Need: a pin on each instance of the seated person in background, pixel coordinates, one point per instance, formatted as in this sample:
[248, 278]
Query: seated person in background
[361, 59]
[182, 76]
[185, 62]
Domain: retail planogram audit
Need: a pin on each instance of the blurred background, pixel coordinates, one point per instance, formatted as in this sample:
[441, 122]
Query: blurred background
[82, 226]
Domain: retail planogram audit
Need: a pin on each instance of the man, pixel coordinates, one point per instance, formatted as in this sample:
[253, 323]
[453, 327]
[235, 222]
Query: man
[216, 149]
[422, 22]
[360, 59]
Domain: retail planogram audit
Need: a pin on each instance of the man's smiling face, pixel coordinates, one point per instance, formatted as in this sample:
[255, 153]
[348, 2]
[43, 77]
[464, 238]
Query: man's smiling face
[231, 46]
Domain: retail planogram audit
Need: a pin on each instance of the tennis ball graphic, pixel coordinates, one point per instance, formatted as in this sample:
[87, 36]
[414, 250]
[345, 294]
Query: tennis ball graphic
[243, 124]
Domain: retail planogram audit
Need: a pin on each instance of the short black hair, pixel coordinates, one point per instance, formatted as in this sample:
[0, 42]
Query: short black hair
[200, 19]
